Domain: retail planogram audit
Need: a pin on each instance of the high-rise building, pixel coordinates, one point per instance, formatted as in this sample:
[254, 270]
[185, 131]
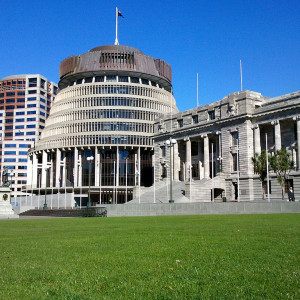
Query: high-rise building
[98, 136]
[25, 102]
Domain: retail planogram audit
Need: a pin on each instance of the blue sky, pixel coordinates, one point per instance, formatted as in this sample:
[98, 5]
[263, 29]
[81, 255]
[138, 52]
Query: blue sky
[208, 37]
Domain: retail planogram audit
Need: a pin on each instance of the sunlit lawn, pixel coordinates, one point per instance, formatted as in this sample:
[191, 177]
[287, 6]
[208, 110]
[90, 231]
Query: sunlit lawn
[171, 257]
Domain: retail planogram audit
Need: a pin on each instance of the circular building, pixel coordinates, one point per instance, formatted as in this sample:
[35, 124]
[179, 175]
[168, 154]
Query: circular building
[98, 137]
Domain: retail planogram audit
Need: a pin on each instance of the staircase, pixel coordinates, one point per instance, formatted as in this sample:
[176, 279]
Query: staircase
[161, 193]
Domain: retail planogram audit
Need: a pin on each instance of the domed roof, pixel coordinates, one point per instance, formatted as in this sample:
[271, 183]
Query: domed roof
[119, 48]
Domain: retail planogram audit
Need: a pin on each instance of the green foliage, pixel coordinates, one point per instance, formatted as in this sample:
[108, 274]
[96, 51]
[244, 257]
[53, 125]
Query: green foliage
[170, 257]
[281, 164]
[260, 167]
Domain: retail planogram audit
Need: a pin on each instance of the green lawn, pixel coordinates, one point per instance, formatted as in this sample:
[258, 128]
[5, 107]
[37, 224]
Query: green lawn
[170, 257]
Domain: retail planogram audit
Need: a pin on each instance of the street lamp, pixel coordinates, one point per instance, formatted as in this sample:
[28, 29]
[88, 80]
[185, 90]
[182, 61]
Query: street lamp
[89, 159]
[170, 143]
[45, 204]
[11, 175]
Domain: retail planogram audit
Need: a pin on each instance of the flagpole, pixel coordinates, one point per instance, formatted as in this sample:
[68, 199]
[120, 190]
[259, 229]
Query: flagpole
[116, 40]
[267, 162]
[241, 70]
[197, 91]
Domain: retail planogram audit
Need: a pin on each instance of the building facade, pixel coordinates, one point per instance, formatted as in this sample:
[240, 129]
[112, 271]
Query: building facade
[98, 136]
[25, 102]
[215, 144]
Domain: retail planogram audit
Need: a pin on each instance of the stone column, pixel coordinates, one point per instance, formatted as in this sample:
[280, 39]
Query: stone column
[117, 166]
[97, 163]
[206, 156]
[34, 170]
[44, 165]
[75, 167]
[64, 175]
[277, 134]
[176, 162]
[200, 160]
[257, 145]
[188, 158]
[57, 175]
[80, 169]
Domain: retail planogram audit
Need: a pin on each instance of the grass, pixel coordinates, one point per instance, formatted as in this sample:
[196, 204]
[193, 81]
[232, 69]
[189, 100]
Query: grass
[170, 257]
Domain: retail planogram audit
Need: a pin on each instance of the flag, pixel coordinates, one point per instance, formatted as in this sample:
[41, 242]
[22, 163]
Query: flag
[120, 14]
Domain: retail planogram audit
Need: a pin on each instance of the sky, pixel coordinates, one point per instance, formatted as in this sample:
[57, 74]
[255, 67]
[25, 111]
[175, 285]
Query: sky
[205, 37]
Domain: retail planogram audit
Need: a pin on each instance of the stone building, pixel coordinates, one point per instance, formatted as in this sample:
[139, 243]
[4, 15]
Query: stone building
[215, 144]
[98, 136]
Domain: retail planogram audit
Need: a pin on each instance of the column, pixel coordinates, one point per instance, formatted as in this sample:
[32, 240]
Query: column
[176, 161]
[75, 167]
[80, 169]
[277, 134]
[44, 165]
[200, 160]
[64, 174]
[257, 145]
[97, 162]
[188, 158]
[206, 156]
[34, 170]
[298, 142]
[139, 166]
[117, 166]
[57, 175]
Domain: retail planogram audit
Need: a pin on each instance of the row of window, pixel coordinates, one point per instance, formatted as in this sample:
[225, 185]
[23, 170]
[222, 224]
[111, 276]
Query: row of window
[15, 146]
[15, 152]
[14, 160]
[105, 126]
[10, 134]
[114, 78]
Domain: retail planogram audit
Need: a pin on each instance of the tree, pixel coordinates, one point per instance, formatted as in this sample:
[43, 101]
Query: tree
[260, 167]
[281, 164]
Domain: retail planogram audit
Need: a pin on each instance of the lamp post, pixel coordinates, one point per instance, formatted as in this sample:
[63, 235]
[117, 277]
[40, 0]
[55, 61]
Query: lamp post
[170, 143]
[11, 175]
[45, 204]
[89, 159]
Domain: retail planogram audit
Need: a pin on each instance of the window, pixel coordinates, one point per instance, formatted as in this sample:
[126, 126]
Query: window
[88, 80]
[20, 100]
[111, 78]
[211, 115]
[30, 126]
[42, 113]
[22, 160]
[31, 105]
[22, 167]
[30, 133]
[30, 119]
[153, 83]
[23, 152]
[99, 79]
[9, 121]
[163, 151]
[19, 133]
[31, 98]
[24, 146]
[19, 127]
[79, 81]
[20, 113]
[9, 94]
[54, 90]
[180, 123]
[32, 92]
[234, 162]
[9, 127]
[32, 82]
[31, 112]
[10, 160]
[10, 152]
[20, 120]
[123, 78]
[42, 106]
[145, 81]
[195, 119]
[21, 93]
[235, 138]
[42, 84]
[10, 107]
[10, 145]
[10, 100]
[134, 80]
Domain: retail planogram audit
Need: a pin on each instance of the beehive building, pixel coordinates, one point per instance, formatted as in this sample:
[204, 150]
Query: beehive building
[98, 136]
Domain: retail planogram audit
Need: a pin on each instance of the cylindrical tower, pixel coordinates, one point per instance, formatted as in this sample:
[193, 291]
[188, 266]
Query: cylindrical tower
[105, 111]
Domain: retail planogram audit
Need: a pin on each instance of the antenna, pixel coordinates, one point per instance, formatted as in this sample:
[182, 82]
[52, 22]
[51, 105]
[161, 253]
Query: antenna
[241, 71]
[197, 91]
